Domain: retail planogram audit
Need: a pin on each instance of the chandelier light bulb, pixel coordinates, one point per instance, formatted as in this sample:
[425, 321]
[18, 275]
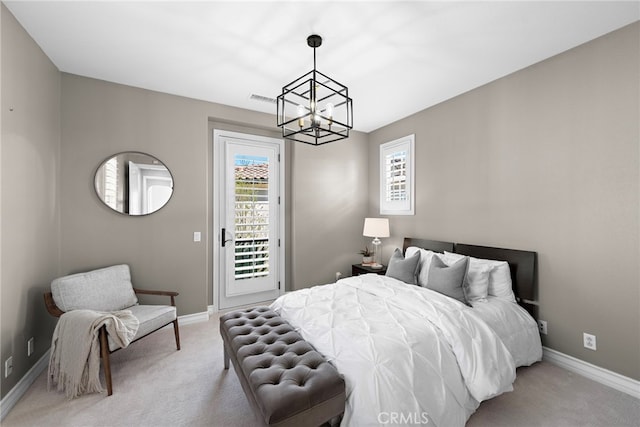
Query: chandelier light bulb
[301, 114]
[329, 112]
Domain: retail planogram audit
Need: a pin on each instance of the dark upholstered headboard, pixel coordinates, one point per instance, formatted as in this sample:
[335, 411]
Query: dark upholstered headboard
[432, 245]
[524, 271]
[523, 266]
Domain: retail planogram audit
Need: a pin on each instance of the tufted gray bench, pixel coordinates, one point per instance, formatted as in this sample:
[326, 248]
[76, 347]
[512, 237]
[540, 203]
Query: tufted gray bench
[285, 379]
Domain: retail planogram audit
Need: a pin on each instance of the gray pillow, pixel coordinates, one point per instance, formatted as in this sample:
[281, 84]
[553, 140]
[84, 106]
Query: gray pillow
[448, 280]
[402, 268]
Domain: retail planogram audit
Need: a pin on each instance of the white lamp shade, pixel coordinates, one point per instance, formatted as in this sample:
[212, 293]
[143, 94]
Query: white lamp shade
[376, 227]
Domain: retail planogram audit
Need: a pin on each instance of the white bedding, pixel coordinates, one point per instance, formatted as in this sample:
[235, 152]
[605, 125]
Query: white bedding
[515, 327]
[405, 351]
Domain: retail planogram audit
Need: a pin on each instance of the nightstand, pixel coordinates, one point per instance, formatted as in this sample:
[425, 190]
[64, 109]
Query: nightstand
[357, 269]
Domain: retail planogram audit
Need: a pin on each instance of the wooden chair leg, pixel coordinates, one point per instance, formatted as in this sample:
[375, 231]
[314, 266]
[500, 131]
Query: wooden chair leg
[177, 333]
[104, 353]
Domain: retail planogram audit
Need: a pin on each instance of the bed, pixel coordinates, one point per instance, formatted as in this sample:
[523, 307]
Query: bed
[411, 355]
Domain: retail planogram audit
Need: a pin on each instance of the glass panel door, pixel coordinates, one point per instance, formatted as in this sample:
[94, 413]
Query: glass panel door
[250, 219]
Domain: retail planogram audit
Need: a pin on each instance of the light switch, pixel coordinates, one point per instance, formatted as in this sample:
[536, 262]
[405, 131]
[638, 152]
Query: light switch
[197, 236]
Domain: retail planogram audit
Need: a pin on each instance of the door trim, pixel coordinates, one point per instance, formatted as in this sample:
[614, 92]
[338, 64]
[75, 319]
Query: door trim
[218, 179]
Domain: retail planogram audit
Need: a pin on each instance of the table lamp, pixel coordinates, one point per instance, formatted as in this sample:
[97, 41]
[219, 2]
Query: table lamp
[376, 228]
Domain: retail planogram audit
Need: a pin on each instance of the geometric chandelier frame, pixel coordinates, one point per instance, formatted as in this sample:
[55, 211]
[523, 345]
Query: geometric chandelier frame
[314, 108]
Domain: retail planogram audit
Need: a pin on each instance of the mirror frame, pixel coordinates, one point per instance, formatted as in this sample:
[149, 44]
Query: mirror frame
[122, 201]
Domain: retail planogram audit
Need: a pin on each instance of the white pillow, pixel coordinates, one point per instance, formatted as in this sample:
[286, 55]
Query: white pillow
[499, 280]
[423, 266]
[477, 282]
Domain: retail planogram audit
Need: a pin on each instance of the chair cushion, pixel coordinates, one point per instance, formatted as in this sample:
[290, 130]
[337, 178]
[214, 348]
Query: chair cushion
[151, 317]
[106, 289]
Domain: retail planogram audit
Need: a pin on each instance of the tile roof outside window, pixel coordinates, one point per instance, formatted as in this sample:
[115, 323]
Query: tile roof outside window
[253, 172]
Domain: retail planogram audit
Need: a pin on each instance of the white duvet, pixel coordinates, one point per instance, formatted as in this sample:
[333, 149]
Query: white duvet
[409, 355]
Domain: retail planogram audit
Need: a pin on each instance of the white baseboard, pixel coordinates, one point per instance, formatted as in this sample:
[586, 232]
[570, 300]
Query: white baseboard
[193, 318]
[14, 395]
[593, 372]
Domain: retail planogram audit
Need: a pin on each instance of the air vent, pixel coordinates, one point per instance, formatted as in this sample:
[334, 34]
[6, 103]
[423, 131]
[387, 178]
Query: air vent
[262, 98]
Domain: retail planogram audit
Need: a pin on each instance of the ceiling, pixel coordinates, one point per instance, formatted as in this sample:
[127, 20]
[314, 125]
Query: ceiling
[397, 58]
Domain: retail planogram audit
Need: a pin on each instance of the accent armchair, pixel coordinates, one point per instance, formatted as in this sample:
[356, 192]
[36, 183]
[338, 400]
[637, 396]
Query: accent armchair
[110, 289]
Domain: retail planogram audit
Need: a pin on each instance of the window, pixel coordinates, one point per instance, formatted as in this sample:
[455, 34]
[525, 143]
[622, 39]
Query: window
[252, 216]
[397, 177]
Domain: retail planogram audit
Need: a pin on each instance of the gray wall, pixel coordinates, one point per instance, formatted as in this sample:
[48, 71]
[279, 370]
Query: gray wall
[101, 118]
[545, 159]
[30, 196]
[329, 189]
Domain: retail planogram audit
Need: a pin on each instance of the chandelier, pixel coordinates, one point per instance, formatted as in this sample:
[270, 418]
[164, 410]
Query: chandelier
[314, 108]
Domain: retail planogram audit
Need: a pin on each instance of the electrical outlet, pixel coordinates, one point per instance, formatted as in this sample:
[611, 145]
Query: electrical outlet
[30, 346]
[589, 341]
[542, 326]
[8, 366]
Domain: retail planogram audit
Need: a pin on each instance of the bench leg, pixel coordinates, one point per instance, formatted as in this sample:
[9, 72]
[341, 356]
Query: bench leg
[104, 353]
[226, 357]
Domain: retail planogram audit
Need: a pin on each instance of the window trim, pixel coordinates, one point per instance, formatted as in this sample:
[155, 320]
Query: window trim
[399, 207]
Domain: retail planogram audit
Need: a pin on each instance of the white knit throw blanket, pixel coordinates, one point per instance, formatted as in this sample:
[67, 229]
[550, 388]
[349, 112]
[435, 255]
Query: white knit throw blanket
[74, 363]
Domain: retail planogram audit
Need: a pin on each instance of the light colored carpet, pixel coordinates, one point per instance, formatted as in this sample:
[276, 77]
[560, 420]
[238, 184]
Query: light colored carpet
[155, 385]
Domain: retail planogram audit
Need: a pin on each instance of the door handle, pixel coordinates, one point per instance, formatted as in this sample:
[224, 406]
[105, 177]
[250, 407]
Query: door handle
[224, 237]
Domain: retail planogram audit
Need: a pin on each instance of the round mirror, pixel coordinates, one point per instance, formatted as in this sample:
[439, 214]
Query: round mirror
[133, 183]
